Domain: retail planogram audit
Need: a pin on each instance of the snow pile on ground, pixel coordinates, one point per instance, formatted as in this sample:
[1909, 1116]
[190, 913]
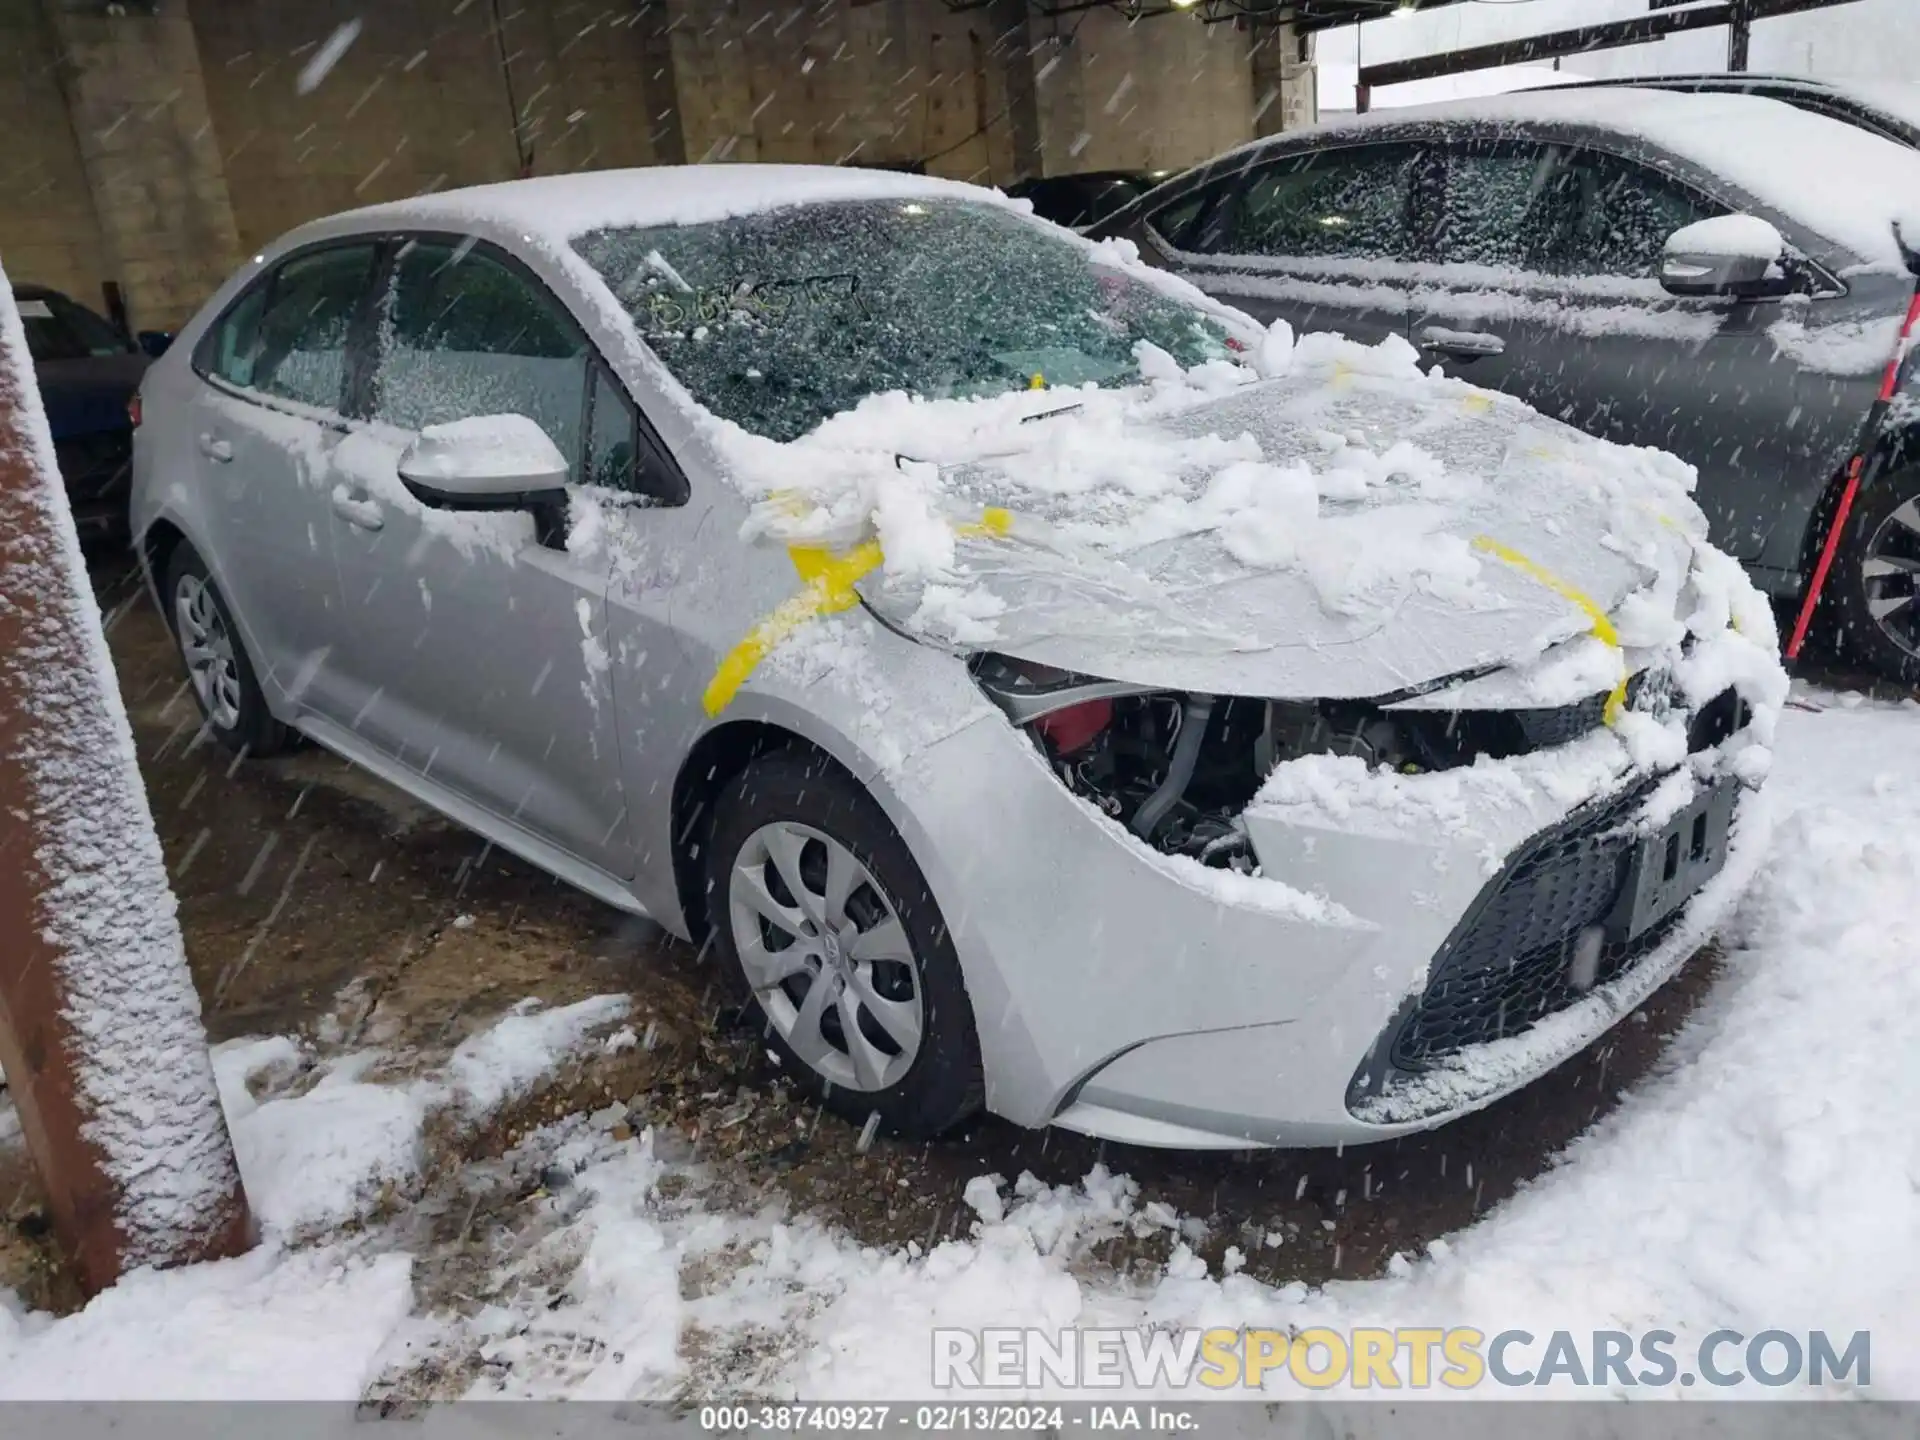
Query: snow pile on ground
[266, 1326]
[506, 1061]
[313, 1162]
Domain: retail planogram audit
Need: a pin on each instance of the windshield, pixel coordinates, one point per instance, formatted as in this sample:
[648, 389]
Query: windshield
[58, 329]
[777, 320]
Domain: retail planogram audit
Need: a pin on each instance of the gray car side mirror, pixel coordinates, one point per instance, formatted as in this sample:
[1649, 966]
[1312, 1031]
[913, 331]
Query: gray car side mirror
[1741, 256]
[490, 462]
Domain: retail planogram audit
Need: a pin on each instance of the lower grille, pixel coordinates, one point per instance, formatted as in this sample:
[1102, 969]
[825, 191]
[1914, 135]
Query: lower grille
[1506, 967]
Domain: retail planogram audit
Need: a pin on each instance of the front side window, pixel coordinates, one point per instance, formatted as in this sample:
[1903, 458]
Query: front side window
[289, 337]
[780, 319]
[612, 430]
[463, 334]
[1330, 204]
[1561, 211]
[58, 329]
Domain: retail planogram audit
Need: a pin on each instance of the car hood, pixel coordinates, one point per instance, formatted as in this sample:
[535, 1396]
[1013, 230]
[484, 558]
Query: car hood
[1349, 527]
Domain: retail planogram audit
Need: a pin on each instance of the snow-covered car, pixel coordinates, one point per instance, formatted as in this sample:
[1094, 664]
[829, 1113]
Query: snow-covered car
[1042, 688]
[1550, 245]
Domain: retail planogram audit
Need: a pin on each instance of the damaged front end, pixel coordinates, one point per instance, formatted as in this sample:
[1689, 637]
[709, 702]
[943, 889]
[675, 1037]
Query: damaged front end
[1178, 769]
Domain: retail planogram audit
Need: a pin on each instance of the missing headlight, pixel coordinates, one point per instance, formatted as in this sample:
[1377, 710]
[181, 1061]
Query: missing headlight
[1178, 768]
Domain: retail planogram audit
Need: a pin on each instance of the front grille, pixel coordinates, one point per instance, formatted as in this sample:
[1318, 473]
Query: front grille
[1506, 967]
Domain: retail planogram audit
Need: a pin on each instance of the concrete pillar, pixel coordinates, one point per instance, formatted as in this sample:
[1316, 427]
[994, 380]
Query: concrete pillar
[138, 106]
[1285, 89]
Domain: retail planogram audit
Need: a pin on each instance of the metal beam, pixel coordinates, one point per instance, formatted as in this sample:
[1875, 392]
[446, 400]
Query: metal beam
[1587, 38]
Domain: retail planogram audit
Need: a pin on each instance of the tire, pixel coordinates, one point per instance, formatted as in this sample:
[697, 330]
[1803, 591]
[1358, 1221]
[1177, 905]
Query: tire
[790, 813]
[219, 672]
[1875, 596]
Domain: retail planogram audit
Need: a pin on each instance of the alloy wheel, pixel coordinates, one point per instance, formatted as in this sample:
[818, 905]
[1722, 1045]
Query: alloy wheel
[207, 647]
[825, 953]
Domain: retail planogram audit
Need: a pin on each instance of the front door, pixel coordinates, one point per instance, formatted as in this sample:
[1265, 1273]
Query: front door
[1548, 290]
[477, 654]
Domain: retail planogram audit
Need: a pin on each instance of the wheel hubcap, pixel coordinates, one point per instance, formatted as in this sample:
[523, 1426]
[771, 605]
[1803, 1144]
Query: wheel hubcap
[1890, 577]
[824, 950]
[208, 650]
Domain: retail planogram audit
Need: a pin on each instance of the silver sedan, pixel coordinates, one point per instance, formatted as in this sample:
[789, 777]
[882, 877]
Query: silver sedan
[1047, 691]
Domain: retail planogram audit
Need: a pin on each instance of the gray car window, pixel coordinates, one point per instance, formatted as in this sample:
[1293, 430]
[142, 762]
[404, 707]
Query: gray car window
[287, 336]
[462, 334]
[1562, 211]
[1346, 203]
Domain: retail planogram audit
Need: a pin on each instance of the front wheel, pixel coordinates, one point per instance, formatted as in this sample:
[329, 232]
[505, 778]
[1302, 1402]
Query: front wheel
[1876, 611]
[822, 918]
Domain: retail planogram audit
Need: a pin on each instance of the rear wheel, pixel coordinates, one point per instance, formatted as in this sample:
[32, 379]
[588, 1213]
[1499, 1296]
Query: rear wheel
[218, 670]
[823, 920]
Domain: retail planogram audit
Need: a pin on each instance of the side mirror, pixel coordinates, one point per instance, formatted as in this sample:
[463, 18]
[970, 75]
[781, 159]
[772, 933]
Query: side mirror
[154, 343]
[489, 462]
[1741, 256]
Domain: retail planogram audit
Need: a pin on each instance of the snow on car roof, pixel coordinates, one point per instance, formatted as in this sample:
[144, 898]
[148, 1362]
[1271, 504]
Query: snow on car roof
[559, 207]
[1845, 182]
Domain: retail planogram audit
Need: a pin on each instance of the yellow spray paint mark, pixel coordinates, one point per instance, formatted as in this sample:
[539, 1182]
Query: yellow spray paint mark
[1037, 381]
[1478, 404]
[828, 582]
[1603, 627]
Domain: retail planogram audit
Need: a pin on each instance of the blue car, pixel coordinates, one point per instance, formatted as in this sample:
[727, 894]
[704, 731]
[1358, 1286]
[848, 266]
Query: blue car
[88, 373]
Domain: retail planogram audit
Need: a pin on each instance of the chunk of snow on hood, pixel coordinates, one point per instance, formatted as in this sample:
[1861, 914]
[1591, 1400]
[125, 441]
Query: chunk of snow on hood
[1316, 533]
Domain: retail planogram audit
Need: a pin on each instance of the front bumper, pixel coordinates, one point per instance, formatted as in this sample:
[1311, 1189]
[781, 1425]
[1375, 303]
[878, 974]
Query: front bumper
[1119, 994]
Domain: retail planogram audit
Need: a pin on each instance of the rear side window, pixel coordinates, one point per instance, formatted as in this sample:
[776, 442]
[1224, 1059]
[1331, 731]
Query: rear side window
[1562, 211]
[58, 329]
[461, 333]
[1352, 203]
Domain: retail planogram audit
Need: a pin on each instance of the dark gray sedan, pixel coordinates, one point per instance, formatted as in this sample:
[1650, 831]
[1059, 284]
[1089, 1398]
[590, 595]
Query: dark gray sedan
[1526, 243]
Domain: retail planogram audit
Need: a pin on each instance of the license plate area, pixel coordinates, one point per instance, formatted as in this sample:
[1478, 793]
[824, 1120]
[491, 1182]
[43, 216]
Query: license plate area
[1668, 866]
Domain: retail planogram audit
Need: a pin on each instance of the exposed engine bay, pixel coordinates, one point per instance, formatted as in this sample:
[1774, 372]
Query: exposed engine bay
[1177, 769]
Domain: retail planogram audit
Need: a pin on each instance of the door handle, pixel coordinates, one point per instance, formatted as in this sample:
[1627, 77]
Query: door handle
[357, 508]
[1462, 344]
[214, 448]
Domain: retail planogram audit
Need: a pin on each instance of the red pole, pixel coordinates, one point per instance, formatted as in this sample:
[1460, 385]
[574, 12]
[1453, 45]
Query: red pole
[1856, 472]
[100, 1031]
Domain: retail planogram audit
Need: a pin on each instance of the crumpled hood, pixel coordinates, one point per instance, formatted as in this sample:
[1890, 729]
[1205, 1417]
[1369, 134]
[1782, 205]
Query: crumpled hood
[1350, 528]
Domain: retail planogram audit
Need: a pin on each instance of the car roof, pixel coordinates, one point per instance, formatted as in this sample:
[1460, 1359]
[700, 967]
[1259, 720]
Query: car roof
[559, 207]
[1837, 179]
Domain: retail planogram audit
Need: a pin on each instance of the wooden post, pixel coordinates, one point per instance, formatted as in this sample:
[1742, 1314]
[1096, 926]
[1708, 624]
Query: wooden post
[100, 1030]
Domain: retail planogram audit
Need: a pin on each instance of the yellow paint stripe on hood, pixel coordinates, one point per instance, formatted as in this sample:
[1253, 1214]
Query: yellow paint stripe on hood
[1601, 624]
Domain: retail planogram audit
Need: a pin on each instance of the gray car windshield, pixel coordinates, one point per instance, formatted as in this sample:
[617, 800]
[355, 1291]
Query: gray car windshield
[777, 320]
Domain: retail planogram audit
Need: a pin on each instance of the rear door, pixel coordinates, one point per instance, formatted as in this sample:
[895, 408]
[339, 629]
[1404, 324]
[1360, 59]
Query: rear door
[1323, 240]
[478, 657]
[265, 423]
[1547, 288]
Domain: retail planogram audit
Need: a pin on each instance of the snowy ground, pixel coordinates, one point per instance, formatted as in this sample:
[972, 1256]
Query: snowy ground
[1767, 1177]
